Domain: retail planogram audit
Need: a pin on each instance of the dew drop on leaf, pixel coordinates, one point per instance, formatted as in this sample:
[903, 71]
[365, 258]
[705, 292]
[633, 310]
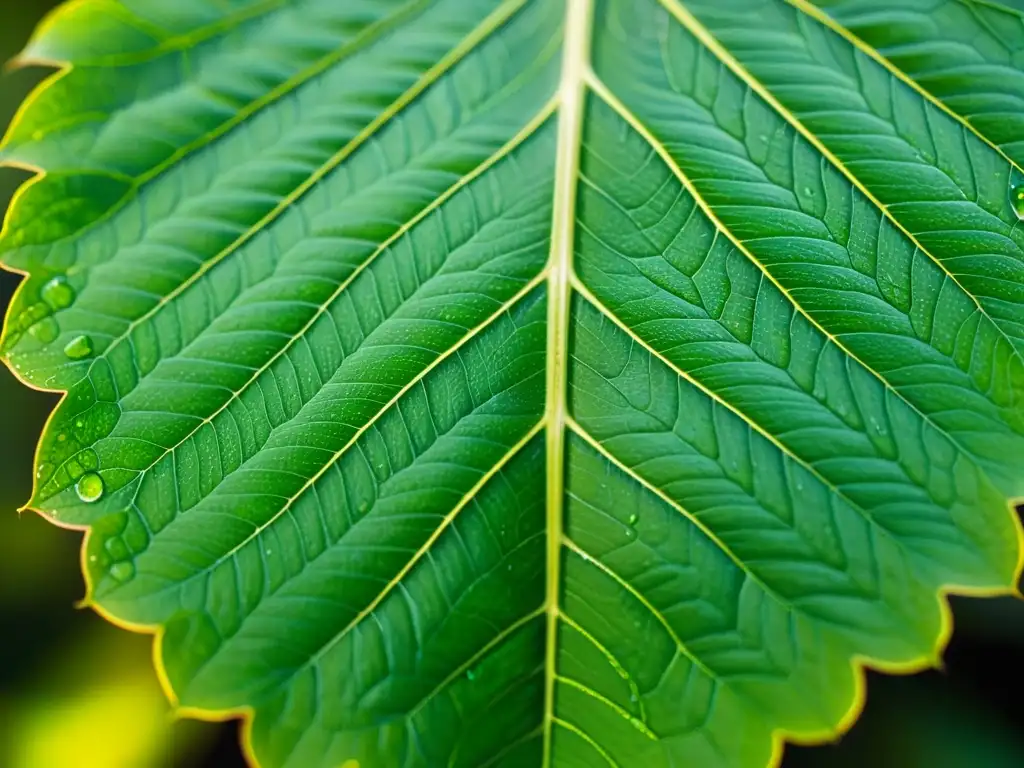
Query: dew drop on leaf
[122, 571]
[470, 675]
[78, 347]
[89, 487]
[117, 549]
[58, 293]
[634, 518]
[45, 330]
[1017, 199]
[33, 315]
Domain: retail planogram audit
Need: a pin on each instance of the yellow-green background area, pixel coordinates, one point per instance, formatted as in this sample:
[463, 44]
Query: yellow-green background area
[76, 692]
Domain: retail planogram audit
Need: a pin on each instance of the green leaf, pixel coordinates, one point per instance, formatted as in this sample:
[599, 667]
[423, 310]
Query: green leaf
[527, 383]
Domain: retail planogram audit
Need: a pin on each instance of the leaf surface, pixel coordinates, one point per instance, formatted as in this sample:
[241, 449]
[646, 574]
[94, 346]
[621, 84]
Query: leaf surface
[480, 383]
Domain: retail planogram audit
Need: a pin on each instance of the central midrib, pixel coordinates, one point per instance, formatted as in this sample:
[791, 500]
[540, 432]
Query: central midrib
[571, 90]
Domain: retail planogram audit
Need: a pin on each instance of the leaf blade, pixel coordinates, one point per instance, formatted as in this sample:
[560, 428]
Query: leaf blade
[781, 415]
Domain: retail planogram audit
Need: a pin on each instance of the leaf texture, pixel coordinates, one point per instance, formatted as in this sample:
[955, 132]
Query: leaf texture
[524, 382]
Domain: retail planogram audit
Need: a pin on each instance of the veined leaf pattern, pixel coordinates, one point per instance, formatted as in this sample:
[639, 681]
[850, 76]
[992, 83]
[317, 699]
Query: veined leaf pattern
[527, 382]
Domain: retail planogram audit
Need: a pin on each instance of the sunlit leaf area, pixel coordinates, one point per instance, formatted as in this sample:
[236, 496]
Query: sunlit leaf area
[512, 383]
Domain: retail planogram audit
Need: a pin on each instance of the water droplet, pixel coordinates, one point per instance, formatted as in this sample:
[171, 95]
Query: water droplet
[33, 315]
[89, 487]
[634, 519]
[122, 571]
[79, 423]
[270, 551]
[363, 506]
[45, 331]
[808, 191]
[470, 675]
[92, 558]
[1017, 199]
[58, 293]
[61, 437]
[43, 470]
[78, 347]
[117, 549]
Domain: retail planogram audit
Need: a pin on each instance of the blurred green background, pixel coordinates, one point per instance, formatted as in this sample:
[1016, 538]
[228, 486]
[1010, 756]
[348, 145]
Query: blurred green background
[76, 692]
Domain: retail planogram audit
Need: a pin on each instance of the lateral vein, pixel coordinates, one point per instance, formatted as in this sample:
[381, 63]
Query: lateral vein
[441, 528]
[589, 739]
[640, 598]
[473, 333]
[861, 45]
[609, 98]
[510, 146]
[431, 76]
[165, 44]
[624, 714]
[646, 484]
[704, 36]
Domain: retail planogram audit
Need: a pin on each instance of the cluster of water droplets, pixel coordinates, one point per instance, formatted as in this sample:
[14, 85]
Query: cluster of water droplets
[69, 465]
[38, 321]
[115, 555]
[109, 551]
[82, 469]
[631, 525]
